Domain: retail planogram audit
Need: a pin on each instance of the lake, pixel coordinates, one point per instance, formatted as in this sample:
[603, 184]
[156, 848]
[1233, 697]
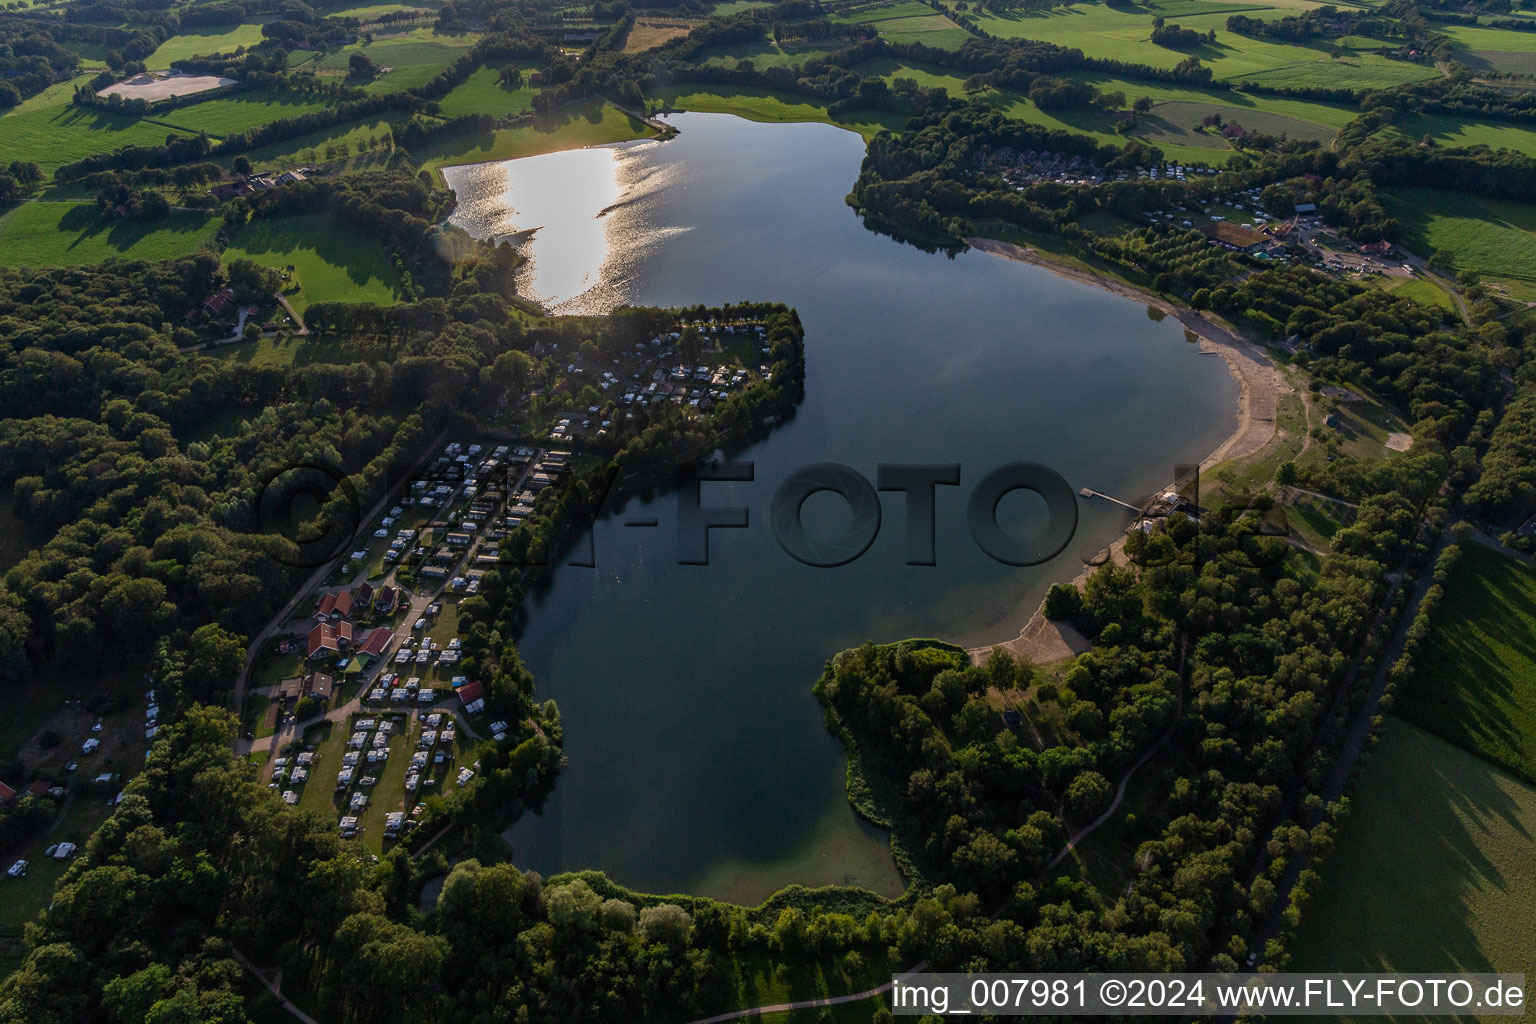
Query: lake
[699, 761]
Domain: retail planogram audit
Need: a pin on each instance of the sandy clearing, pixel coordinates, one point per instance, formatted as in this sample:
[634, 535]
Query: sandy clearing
[150, 87]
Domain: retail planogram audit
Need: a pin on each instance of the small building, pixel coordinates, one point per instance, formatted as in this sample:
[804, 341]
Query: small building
[1306, 208]
[334, 607]
[7, 794]
[326, 640]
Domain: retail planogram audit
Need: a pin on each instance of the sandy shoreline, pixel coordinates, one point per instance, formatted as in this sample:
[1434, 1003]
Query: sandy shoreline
[1260, 385]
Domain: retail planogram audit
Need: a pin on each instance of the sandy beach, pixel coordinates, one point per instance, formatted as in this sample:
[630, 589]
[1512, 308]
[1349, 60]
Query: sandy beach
[1260, 385]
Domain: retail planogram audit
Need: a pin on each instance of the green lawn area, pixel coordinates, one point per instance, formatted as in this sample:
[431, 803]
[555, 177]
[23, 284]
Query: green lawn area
[197, 42]
[1476, 679]
[323, 147]
[1179, 121]
[1420, 290]
[882, 12]
[1451, 131]
[482, 93]
[1125, 34]
[414, 58]
[66, 234]
[763, 105]
[1478, 37]
[766, 53]
[22, 899]
[1492, 236]
[239, 112]
[332, 262]
[48, 131]
[367, 12]
[1433, 868]
[932, 29]
[589, 123]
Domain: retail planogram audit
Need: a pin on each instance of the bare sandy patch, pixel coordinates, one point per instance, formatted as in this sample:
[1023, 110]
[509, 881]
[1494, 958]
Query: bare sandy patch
[154, 87]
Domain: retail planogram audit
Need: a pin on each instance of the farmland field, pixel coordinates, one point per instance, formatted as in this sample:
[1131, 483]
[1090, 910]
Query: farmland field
[1450, 131]
[482, 93]
[883, 12]
[1432, 871]
[414, 58]
[1491, 236]
[237, 113]
[314, 147]
[332, 262]
[1420, 290]
[1476, 679]
[65, 234]
[931, 29]
[766, 53]
[1125, 34]
[1179, 120]
[53, 133]
[197, 42]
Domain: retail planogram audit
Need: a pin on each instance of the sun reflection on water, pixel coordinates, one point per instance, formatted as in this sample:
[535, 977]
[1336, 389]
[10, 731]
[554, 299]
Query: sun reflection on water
[579, 217]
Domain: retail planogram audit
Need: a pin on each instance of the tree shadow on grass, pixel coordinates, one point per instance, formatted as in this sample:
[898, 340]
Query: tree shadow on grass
[1432, 859]
[279, 241]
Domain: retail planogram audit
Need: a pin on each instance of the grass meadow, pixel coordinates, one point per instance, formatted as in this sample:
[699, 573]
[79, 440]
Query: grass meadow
[46, 234]
[1432, 870]
[1452, 131]
[482, 93]
[1476, 679]
[198, 42]
[1125, 34]
[237, 113]
[49, 132]
[332, 262]
[1494, 237]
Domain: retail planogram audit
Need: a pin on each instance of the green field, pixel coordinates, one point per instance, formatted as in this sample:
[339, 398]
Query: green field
[763, 105]
[52, 133]
[1420, 290]
[1125, 34]
[1180, 120]
[590, 123]
[414, 58]
[882, 12]
[1476, 678]
[332, 262]
[931, 29]
[481, 93]
[1491, 236]
[1498, 60]
[367, 12]
[237, 113]
[1451, 131]
[313, 148]
[766, 53]
[65, 234]
[1170, 125]
[1476, 37]
[1433, 869]
[197, 42]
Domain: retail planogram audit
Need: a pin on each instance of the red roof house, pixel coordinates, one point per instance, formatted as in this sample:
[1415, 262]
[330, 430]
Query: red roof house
[378, 639]
[471, 691]
[7, 794]
[334, 606]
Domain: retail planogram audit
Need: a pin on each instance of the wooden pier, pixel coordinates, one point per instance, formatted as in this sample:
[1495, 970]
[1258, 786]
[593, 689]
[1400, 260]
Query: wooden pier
[1089, 492]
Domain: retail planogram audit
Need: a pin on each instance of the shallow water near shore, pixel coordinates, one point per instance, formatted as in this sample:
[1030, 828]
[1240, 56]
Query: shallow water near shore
[699, 761]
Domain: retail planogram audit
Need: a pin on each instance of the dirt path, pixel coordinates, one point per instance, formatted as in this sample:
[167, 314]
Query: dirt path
[811, 1004]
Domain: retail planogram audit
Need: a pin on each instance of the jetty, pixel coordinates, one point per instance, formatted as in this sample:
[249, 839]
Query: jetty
[1089, 492]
